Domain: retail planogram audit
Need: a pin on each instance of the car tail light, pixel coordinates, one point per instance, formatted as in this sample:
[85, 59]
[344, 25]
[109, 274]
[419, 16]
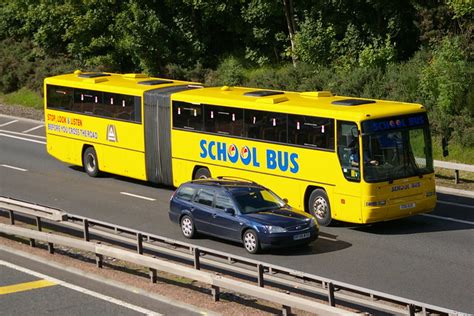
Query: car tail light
[172, 195]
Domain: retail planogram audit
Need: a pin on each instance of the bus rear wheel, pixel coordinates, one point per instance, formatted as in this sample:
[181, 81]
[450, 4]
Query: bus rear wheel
[90, 162]
[202, 173]
[319, 207]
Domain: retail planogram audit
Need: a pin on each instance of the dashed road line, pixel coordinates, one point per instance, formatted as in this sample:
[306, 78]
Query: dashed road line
[448, 219]
[456, 204]
[32, 129]
[22, 134]
[23, 138]
[138, 196]
[8, 123]
[14, 168]
[81, 289]
[26, 286]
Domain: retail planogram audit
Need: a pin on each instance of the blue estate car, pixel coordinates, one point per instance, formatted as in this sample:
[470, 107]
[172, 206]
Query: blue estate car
[240, 211]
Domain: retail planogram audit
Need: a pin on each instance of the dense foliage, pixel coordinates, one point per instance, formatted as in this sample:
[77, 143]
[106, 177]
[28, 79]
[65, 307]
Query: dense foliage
[408, 50]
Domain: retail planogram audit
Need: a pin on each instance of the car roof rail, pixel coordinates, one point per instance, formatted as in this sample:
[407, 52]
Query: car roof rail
[237, 178]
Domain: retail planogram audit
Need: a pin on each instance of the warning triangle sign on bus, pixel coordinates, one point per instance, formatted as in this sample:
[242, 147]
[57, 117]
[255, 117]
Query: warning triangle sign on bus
[111, 133]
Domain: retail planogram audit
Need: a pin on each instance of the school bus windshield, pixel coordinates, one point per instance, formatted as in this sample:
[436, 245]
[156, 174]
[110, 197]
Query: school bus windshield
[396, 148]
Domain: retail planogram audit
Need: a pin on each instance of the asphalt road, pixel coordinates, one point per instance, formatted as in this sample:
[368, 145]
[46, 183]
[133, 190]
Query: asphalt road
[428, 258]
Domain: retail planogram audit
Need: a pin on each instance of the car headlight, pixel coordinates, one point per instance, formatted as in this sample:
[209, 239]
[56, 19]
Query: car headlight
[275, 229]
[312, 222]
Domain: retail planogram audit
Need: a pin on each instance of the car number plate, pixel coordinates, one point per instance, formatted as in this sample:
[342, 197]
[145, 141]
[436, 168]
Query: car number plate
[301, 236]
[407, 206]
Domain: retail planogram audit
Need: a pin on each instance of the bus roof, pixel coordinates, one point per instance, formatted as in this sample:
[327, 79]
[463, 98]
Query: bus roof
[132, 84]
[320, 103]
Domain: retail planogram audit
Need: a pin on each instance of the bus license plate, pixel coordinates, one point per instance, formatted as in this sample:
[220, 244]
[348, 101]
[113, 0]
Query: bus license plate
[301, 236]
[407, 206]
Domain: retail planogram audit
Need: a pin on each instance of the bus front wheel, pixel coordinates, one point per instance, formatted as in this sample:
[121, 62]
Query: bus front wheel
[319, 207]
[90, 162]
[202, 173]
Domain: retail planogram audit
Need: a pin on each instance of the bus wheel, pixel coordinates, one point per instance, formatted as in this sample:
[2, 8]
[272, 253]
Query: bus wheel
[319, 207]
[90, 162]
[202, 173]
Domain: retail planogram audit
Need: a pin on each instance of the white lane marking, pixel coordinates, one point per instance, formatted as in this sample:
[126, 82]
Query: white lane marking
[138, 196]
[22, 138]
[455, 204]
[22, 134]
[448, 219]
[32, 129]
[8, 123]
[81, 289]
[15, 168]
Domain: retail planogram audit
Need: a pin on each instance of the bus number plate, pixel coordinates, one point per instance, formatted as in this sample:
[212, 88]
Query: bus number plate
[407, 206]
[301, 236]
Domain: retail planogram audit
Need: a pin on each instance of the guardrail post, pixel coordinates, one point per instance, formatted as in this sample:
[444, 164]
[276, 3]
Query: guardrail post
[39, 225]
[456, 176]
[286, 310]
[260, 275]
[140, 243]
[197, 263]
[50, 248]
[331, 299]
[12, 217]
[411, 310]
[86, 230]
[215, 290]
[99, 260]
[153, 275]
[32, 242]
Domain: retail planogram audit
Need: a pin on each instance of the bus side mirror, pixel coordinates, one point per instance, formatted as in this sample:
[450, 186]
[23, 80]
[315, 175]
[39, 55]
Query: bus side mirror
[444, 144]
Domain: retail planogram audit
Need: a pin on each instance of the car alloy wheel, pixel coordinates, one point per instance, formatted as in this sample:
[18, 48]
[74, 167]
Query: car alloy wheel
[187, 227]
[251, 242]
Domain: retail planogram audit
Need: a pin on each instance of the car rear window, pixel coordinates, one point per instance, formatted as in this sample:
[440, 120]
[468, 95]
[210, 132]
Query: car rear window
[186, 193]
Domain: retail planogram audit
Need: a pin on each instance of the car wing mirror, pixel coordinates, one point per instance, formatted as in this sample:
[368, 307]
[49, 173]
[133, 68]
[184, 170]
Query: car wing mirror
[286, 201]
[229, 210]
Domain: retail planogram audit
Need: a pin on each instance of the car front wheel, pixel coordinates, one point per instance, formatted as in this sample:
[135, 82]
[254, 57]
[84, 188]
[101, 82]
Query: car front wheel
[251, 242]
[187, 227]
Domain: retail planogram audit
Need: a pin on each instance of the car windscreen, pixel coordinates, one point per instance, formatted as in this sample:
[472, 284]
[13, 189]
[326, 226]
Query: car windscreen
[254, 199]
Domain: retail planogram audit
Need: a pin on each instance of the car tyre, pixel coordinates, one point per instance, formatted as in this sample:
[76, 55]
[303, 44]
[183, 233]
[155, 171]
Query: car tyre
[202, 173]
[251, 242]
[319, 207]
[187, 227]
[90, 162]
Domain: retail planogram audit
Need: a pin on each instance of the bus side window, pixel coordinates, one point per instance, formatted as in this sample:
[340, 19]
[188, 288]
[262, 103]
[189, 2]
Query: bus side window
[59, 97]
[315, 132]
[187, 115]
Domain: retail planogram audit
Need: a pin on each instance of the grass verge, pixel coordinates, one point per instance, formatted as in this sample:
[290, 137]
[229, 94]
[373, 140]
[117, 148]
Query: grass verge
[23, 97]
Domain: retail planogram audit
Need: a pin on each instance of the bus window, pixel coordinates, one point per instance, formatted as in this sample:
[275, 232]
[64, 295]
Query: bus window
[60, 98]
[348, 150]
[311, 131]
[187, 115]
[223, 120]
[266, 126]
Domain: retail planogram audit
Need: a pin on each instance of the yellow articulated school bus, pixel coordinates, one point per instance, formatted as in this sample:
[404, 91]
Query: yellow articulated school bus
[342, 158]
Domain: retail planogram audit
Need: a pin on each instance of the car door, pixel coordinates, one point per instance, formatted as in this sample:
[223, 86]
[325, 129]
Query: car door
[225, 225]
[203, 210]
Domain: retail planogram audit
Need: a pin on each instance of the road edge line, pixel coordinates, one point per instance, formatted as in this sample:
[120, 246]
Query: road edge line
[457, 192]
[101, 279]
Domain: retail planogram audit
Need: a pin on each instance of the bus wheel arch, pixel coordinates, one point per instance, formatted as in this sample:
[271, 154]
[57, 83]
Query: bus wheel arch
[317, 204]
[90, 162]
[201, 172]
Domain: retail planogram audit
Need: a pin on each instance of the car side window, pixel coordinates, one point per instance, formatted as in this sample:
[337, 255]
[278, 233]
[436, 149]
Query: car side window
[204, 197]
[186, 193]
[223, 201]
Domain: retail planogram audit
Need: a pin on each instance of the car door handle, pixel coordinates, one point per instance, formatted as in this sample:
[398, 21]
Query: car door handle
[214, 215]
[192, 209]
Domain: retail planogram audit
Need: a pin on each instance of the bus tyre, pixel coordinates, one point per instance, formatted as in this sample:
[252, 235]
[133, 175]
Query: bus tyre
[90, 162]
[202, 173]
[319, 207]
[251, 242]
[187, 227]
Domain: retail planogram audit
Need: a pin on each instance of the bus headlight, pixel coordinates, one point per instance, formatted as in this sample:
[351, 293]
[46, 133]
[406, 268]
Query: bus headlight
[275, 229]
[375, 203]
[430, 193]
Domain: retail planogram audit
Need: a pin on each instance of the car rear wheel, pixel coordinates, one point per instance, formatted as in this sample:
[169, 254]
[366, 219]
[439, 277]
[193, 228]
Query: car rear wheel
[187, 227]
[251, 242]
[202, 173]
[319, 207]
[90, 162]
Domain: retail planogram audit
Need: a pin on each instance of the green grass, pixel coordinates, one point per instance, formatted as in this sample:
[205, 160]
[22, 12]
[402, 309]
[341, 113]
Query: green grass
[23, 97]
[457, 153]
